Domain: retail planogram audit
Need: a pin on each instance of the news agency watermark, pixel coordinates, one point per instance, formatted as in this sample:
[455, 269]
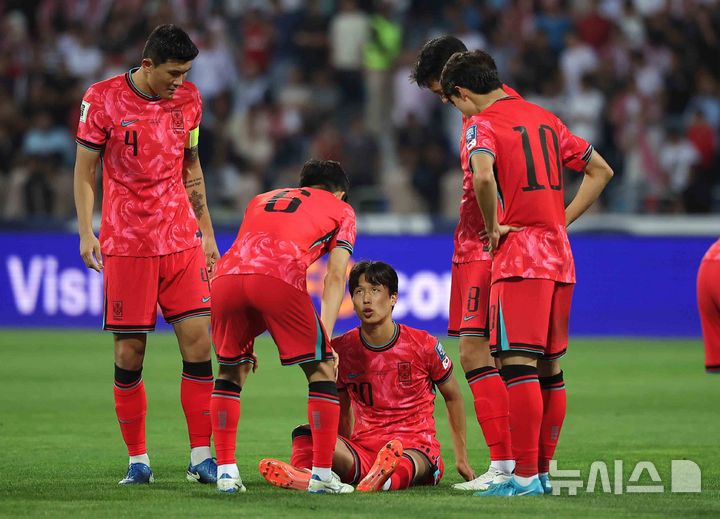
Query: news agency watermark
[684, 477]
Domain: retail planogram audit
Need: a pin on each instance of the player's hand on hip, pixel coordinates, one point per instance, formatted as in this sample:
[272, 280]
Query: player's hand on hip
[212, 254]
[336, 363]
[504, 229]
[465, 470]
[91, 253]
[493, 237]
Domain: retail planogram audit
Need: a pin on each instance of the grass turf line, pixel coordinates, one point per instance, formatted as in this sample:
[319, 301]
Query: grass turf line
[628, 399]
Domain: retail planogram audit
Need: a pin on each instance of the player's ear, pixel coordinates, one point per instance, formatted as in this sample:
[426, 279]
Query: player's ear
[393, 299]
[147, 64]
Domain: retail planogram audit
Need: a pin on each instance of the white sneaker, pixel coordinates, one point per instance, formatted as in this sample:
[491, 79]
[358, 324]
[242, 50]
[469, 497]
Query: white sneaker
[483, 482]
[230, 485]
[331, 486]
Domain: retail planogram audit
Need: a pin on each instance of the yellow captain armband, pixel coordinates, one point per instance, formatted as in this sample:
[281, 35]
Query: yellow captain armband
[193, 138]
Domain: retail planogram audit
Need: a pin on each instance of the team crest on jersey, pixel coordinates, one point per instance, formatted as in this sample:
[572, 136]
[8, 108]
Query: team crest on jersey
[117, 310]
[178, 123]
[404, 371]
[471, 137]
[442, 355]
[84, 108]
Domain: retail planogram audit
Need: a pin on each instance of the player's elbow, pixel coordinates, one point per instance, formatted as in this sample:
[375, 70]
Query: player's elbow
[483, 180]
[334, 277]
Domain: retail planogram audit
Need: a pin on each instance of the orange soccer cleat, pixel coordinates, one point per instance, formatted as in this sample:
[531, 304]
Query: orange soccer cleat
[387, 459]
[284, 475]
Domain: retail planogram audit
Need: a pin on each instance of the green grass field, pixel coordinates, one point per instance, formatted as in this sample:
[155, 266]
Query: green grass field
[62, 453]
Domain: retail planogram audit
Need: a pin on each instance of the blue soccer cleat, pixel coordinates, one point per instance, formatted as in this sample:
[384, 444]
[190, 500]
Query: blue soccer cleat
[137, 474]
[513, 488]
[204, 472]
[546, 483]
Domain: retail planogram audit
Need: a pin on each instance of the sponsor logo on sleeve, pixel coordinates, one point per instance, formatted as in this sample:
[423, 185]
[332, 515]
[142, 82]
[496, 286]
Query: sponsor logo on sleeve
[84, 109]
[471, 137]
[442, 356]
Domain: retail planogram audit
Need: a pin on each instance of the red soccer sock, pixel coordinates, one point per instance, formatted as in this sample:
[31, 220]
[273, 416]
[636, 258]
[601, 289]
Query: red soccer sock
[302, 448]
[526, 412]
[224, 416]
[404, 474]
[131, 408]
[195, 390]
[490, 397]
[324, 417]
[554, 408]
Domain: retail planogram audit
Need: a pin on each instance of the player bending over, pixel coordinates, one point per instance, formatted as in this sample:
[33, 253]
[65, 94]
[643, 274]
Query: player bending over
[260, 285]
[144, 124]
[525, 147]
[386, 379]
[470, 291]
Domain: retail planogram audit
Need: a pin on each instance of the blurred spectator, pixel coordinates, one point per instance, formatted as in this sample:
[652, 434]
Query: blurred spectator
[286, 80]
[349, 33]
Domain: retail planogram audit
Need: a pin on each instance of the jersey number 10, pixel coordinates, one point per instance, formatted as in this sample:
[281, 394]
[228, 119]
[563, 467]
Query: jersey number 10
[553, 171]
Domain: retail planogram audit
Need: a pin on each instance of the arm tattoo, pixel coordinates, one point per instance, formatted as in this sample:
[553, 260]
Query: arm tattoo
[198, 204]
[193, 182]
[191, 154]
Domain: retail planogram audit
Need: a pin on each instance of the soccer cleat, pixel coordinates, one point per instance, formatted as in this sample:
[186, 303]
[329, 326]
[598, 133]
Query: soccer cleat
[483, 482]
[387, 459]
[230, 485]
[204, 472]
[331, 486]
[284, 475]
[546, 483]
[512, 488]
[137, 474]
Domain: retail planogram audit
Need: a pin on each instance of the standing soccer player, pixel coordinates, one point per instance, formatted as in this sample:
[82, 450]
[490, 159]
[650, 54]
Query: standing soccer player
[260, 284]
[387, 378]
[708, 295]
[470, 291]
[156, 238]
[525, 147]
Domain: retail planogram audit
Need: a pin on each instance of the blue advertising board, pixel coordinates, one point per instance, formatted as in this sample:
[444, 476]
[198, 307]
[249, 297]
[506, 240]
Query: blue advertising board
[627, 285]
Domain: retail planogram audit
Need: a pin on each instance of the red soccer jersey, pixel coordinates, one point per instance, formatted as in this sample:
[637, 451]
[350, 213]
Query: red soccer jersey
[285, 231]
[530, 146]
[713, 253]
[391, 387]
[468, 245]
[145, 210]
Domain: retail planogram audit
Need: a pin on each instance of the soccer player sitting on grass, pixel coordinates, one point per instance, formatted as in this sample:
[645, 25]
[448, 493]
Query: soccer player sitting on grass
[517, 151]
[260, 285]
[386, 379]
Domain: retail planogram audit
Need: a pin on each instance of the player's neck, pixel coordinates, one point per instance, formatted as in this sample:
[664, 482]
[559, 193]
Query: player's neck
[378, 334]
[140, 82]
[482, 101]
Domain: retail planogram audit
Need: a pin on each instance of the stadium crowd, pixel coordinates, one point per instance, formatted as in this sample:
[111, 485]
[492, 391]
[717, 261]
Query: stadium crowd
[286, 80]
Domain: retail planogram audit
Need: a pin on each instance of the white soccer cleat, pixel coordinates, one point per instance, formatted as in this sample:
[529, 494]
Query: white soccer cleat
[331, 486]
[230, 485]
[483, 482]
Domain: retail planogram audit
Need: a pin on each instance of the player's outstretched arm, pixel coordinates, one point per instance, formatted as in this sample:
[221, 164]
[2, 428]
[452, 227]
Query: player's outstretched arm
[84, 190]
[485, 189]
[345, 427]
[455, 404]
[333, 287]
[597, 175]
[195, 187]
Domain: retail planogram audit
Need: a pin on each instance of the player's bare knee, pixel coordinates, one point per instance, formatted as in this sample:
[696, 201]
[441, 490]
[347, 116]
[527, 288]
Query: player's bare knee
[194, 339]
[130, 351]
[319, 371]
[235, 373]
[548, 368]
[474, 353]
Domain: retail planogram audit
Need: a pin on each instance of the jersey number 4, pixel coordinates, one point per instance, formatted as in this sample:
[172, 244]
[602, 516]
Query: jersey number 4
[553, 171]
[131, 141]
[280, 204]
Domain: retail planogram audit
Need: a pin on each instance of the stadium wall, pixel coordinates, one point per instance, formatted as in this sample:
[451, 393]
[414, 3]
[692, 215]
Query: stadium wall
[627, 285]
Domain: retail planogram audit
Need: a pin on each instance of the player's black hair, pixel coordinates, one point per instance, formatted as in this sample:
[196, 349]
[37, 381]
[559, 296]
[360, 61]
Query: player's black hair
[325, 174]
[474, 70]
[376, 273]
[169, 43]
[432, 58]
